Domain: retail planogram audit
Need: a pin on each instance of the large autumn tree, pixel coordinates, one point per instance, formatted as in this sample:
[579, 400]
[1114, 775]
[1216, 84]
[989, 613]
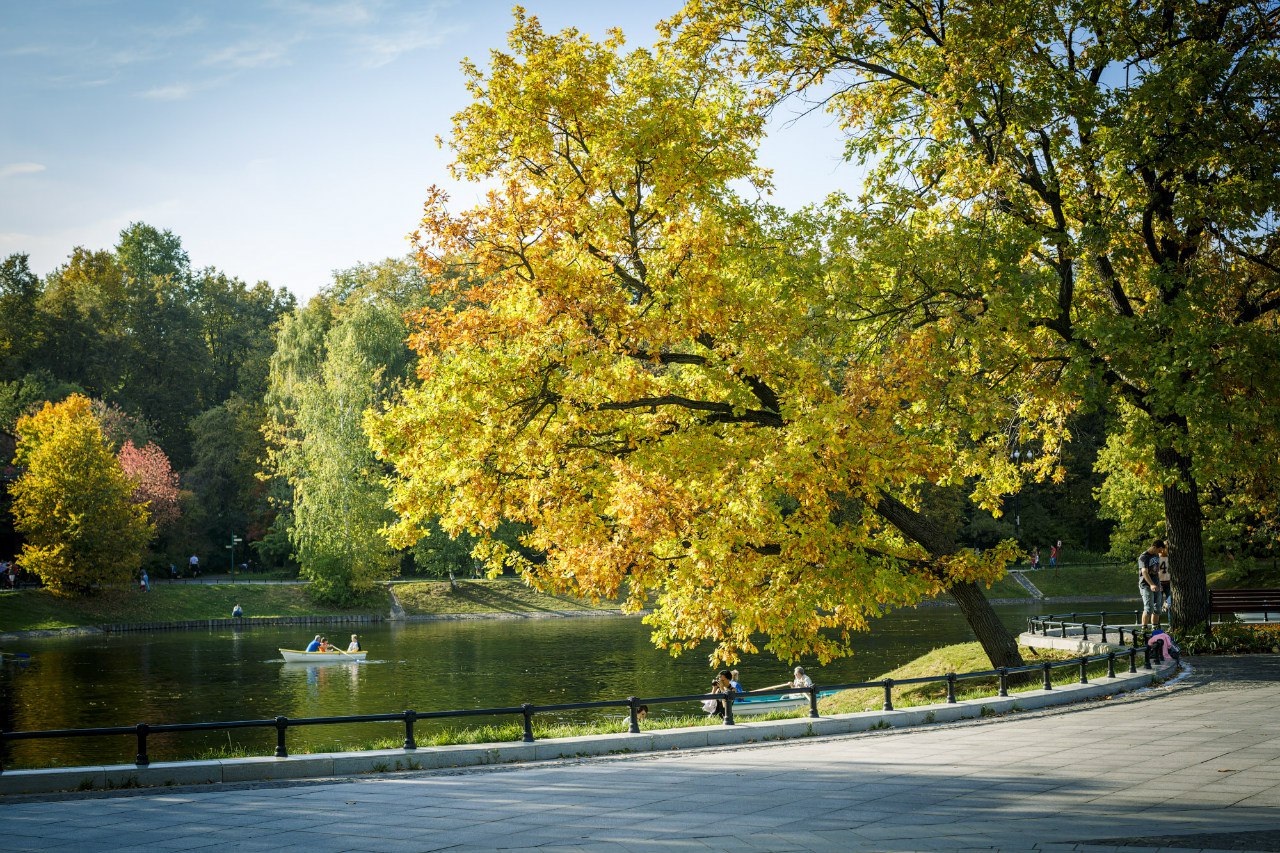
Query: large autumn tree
[660, 378]
[1132, 150]
[72, 503]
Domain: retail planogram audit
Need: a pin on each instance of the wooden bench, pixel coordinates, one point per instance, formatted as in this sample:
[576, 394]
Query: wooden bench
[1264, 601]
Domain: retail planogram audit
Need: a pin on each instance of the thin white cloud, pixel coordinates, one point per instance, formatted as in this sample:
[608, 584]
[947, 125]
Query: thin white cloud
[249, 54]
[173, 92]
[383, 50]
[20, 169]
[342, 14]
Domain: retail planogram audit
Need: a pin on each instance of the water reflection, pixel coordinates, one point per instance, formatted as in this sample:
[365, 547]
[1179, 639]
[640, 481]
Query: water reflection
[230, 674]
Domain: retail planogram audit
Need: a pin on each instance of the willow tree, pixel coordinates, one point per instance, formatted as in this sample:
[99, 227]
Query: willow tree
[659, 377]
[1132, 149]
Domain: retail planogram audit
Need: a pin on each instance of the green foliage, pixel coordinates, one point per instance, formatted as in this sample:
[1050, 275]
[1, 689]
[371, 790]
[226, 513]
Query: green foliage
[1129, 247]
[72, 503]
[1231, 638]
[26, 395]
[334, 361]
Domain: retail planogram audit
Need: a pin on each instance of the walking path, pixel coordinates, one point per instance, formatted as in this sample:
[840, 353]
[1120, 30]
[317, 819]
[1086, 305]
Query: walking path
[1193, 765]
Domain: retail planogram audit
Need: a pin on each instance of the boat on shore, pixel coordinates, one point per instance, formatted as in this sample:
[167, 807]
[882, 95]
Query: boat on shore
[753, 706]
[297, 656]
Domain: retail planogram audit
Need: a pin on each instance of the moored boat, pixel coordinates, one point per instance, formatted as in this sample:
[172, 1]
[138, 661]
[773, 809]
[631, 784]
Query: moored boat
[296, 656]
[752, 706]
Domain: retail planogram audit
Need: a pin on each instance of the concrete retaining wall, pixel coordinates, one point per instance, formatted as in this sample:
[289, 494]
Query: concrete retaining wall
[390, 760]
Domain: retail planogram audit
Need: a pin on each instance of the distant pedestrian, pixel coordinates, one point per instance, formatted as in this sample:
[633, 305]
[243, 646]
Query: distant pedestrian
[173, 572]
[1053, 554]
[144, 582]
[1166, 583]
[1035, 558]
[237, 612]
[194, 564]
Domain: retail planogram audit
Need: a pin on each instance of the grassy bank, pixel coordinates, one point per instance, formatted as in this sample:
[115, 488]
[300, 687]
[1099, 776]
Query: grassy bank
[34, 609]
[479, 597]
[37, 609]
[963, 657]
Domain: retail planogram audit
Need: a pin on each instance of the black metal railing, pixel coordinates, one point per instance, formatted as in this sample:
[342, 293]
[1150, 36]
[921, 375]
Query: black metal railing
[1062, 623]
[526, 712]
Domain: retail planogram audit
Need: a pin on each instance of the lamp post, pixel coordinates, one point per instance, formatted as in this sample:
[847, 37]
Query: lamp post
[235, 540]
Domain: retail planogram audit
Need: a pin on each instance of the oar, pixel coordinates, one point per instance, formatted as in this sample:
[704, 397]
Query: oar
[348, 654]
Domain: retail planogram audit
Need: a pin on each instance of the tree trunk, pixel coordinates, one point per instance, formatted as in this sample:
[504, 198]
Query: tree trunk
[997, 640]
[1184, 522]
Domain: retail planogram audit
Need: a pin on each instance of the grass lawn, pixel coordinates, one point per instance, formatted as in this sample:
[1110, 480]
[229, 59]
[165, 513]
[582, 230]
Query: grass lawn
[485, 596]
[33, 609]
[964, 657]
[1086, 580]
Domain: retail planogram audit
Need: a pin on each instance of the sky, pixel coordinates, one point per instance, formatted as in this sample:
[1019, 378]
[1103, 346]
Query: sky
[279, 139]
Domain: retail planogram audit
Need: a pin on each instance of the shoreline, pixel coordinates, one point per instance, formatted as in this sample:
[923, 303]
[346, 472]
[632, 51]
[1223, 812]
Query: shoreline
[368, 619]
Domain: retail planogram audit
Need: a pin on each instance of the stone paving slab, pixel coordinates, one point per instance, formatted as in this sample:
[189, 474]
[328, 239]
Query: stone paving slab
[1103, 776]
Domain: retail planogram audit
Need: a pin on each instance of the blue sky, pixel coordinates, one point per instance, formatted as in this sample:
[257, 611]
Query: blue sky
[280, 139]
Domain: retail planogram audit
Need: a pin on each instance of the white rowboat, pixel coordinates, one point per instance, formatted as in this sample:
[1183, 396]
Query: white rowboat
[295, 656]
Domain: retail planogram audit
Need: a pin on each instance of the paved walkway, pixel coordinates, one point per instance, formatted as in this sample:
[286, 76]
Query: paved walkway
[1190, 766]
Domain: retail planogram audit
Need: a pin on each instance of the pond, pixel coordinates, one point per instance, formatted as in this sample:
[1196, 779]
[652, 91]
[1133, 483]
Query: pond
[203, 676]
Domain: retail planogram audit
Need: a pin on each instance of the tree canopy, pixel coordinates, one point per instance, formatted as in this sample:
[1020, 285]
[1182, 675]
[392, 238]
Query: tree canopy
[1126, 154]
[660, 378]
[72, 502]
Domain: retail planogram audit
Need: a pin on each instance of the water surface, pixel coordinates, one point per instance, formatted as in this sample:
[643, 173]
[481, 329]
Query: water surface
[200, 676]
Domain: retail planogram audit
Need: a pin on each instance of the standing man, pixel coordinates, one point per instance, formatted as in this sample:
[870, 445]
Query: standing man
[194, 563]
[1149, 583]
[1053, 554]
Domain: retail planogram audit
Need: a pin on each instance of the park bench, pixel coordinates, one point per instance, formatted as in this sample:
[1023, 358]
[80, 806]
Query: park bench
[1264, 601]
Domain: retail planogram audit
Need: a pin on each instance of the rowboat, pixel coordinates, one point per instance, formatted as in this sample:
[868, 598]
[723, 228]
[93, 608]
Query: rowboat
[752, 706]
[295, 656]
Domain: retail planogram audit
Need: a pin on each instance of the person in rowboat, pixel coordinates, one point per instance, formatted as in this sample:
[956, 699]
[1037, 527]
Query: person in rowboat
[800, 679]
[355, 644]
[314, 645]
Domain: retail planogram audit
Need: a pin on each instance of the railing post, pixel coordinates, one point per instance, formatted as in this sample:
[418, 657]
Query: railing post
[1048, 679]
[527, 710]
[282, 724]
[1062, 626]
[1084, 629]
[1102, 617]
[632, 703]
[1044, 627]
[1146, 657]
[3, 741]
[1133, 659]
[1004, 681]
[813, 701]
[409, 717]
[728, 709]
[888, 694]
[951, 688]
[142, 760]
[1111, 664]
[1084, 669]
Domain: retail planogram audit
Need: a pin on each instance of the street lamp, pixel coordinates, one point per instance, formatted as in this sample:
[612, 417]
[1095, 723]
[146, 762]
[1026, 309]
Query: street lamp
[235, 540]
